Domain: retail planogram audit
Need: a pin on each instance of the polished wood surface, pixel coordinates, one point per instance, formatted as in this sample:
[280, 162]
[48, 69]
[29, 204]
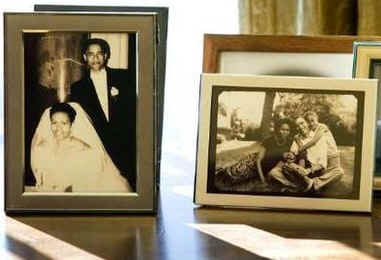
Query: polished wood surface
[182, 230]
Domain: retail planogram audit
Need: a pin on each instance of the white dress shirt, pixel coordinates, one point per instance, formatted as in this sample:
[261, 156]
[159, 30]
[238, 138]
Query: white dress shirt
[100, 83]
[331, 143]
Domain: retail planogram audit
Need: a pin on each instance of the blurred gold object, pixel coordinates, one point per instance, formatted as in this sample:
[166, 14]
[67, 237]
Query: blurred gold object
[369, 22]
[299, 17]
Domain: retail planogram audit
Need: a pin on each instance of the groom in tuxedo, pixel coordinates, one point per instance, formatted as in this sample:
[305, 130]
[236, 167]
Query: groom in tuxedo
[108, 96]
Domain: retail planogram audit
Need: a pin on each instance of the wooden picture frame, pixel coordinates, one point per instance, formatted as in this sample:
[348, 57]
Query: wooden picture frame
[366, 61]
[225, 171]
[23, 32]
[280, 55]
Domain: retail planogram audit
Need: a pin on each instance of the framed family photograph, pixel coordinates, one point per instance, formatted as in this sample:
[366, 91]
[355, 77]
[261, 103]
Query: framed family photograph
[79, 91]
[280, 55]
[286, 142]
[367, 64]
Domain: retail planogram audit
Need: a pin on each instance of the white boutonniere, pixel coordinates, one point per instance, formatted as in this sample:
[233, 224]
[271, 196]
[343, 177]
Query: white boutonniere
[114, 91]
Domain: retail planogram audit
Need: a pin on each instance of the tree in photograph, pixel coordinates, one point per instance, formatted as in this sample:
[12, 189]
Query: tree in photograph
[332, 111]
[267, 114]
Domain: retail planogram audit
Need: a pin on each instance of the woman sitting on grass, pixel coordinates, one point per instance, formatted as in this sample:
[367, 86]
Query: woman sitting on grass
[256, 165]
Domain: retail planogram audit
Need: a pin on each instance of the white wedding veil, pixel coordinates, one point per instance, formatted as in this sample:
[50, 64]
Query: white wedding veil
[108, 176]
[81, 128]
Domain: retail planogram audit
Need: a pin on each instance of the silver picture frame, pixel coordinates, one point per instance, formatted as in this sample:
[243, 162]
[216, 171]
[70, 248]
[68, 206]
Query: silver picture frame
[23, 198]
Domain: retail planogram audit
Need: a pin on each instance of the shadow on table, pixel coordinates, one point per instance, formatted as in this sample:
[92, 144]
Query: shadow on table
[168, 235]
[109, 237]
[182, 231]
[22, 250]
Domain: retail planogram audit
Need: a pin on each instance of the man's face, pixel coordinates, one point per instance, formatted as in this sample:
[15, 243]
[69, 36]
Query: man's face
[312, 121]
[95, 57]
[302, 126]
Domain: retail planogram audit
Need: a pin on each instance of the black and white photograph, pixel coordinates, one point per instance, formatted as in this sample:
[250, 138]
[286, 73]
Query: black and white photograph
[81, 115]
[285, 142]
[81, 107]
[296, 143]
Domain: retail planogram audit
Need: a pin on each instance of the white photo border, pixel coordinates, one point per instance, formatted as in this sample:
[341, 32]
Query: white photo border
[209, 81]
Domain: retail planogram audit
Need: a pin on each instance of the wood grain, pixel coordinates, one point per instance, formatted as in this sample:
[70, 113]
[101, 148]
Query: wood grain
[181, 231]
[214, 44]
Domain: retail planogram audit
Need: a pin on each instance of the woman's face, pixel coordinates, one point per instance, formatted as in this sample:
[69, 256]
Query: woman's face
[60, 125]
[284, 130]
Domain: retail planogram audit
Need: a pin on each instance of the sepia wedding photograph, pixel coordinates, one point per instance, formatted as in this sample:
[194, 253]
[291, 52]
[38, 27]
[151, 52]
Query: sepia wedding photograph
[80, 127]
[284, 142]
[83, 85]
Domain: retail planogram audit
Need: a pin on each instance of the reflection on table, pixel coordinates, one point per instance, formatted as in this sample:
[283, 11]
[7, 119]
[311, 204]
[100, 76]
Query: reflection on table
[182, 230]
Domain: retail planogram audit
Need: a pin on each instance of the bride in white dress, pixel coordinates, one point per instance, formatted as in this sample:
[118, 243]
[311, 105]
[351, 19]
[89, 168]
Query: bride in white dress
[67, 154]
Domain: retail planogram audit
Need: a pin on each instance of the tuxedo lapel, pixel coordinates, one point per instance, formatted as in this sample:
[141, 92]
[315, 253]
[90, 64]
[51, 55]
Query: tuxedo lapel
[94, 100]
[110, 99]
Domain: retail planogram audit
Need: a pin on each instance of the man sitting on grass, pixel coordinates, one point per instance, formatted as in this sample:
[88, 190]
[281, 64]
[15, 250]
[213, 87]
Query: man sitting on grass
[305, 170]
